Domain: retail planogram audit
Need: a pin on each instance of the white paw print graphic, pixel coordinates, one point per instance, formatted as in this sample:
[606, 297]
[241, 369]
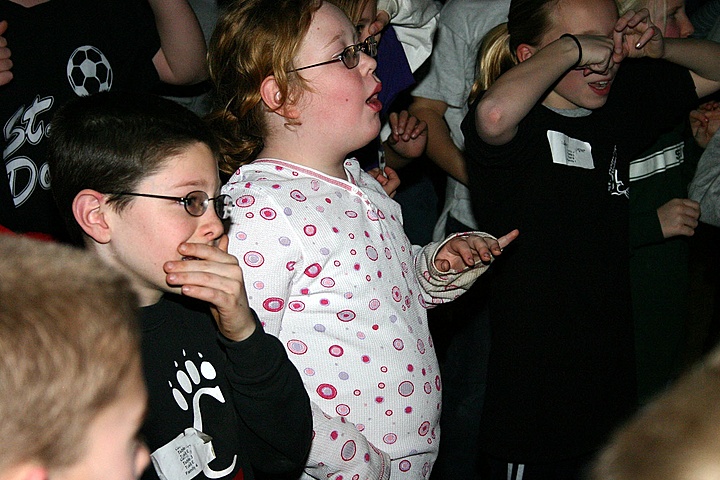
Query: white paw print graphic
[188, 377]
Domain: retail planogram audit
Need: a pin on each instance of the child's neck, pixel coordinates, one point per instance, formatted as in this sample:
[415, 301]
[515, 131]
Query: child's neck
[328, 164]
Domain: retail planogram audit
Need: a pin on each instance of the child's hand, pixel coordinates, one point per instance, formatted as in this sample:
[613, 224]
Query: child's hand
[635, 36]
[213, 275]
[597, 54]
[704, 122]
[409, 134]
[467, 251]
[5, 62]
[389, 179]
[679, 216]
[381, 21]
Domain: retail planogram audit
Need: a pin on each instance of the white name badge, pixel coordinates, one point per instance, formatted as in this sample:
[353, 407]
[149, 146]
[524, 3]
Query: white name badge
[569, 151]
[184, 457]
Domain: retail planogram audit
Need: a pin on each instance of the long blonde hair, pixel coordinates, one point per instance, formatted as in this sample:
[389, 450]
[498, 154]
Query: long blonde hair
[253, 39]
[528, 20]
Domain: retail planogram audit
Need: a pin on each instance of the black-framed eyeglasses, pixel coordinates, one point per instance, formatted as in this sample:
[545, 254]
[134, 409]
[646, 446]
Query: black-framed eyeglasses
[350, 56]
[196, 202]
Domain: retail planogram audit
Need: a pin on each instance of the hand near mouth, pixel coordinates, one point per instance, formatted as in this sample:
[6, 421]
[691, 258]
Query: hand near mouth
[209, 273]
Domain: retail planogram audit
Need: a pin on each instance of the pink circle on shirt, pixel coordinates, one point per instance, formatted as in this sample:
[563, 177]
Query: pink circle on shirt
[351, 214]
[348, 450]
[390, 438]
[273, 304]
[268, 213]
[396, 294]
[297, 196]
[313, 270]
[336, 350]
[253, 259]
[406, 388]
[245, 201]
[374, 304]
[346, 315]
[405, 465]
[296, 306]
[297, 347]
[398, 344]
[310, 230]
[342, 410]
[424, 428]
[326, 391]
[371, 253]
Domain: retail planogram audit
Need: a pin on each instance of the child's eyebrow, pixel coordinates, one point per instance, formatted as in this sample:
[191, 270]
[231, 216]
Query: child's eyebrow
[334, 39]
[199, 184]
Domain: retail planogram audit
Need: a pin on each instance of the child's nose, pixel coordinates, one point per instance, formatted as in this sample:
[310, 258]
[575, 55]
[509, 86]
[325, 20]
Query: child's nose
[212, 226]
[367, 63]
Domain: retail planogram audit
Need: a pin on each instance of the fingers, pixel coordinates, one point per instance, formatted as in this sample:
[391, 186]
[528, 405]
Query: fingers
[392, 182]
[405, 126]
[204, 266]
[679, 216]
[376, 173]
[381, 21]
[467, 251]
[505, 240]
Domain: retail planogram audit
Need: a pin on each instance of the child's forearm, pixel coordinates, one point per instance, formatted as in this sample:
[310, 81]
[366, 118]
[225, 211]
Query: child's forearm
[701, 57]
[515, 92]
[181, 59]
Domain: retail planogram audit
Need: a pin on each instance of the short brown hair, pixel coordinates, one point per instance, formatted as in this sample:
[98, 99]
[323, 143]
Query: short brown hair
[675, 437]
[69, 347]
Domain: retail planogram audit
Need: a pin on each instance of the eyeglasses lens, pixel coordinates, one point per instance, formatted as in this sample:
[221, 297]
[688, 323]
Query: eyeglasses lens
[196, 203]
[223, 206]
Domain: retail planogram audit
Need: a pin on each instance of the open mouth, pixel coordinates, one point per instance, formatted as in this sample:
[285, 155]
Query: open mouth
[374, 103]
[189, 258]
[601, 88]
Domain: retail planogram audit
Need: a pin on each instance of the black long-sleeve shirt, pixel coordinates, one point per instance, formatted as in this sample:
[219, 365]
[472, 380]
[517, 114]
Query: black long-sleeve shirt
[246, 395]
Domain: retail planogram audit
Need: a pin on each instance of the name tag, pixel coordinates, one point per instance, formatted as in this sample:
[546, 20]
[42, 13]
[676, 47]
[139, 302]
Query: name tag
[570, 151]
[184, 457]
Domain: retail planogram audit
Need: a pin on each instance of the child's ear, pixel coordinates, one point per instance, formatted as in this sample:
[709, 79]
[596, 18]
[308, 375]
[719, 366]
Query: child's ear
[524, 51]
[90, 209]
[273, 98]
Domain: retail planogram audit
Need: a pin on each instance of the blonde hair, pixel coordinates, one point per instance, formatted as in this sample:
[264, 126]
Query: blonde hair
[492, 60]
[657, 9]
[675, 437]
[69, 347]
[252, 40]
[528, 20]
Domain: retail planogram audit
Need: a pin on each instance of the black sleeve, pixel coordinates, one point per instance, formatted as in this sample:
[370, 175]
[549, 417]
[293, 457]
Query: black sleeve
[273, 407]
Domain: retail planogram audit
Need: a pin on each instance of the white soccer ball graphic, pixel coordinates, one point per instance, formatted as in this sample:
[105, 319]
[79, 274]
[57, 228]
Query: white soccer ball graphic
[89, 71]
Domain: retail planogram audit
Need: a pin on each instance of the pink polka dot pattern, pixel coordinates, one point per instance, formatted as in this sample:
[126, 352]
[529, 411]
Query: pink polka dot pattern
[340, 291]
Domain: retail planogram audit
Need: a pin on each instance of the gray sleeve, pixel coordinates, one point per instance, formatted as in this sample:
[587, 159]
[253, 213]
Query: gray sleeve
[705, 186]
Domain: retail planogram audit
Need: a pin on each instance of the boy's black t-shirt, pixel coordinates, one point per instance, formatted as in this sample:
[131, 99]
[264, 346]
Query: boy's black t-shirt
[246, 395]
[561, 369]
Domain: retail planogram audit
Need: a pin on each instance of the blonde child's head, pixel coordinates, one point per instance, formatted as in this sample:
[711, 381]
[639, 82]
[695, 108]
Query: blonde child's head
[668, 15]
[69, 354]
[675, 437]
[360, 12]
[532, 25]
[248, 45]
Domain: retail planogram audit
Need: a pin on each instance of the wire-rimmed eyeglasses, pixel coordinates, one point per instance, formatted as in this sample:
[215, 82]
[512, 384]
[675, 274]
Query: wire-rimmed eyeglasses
[196, 202]
[350, 56]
